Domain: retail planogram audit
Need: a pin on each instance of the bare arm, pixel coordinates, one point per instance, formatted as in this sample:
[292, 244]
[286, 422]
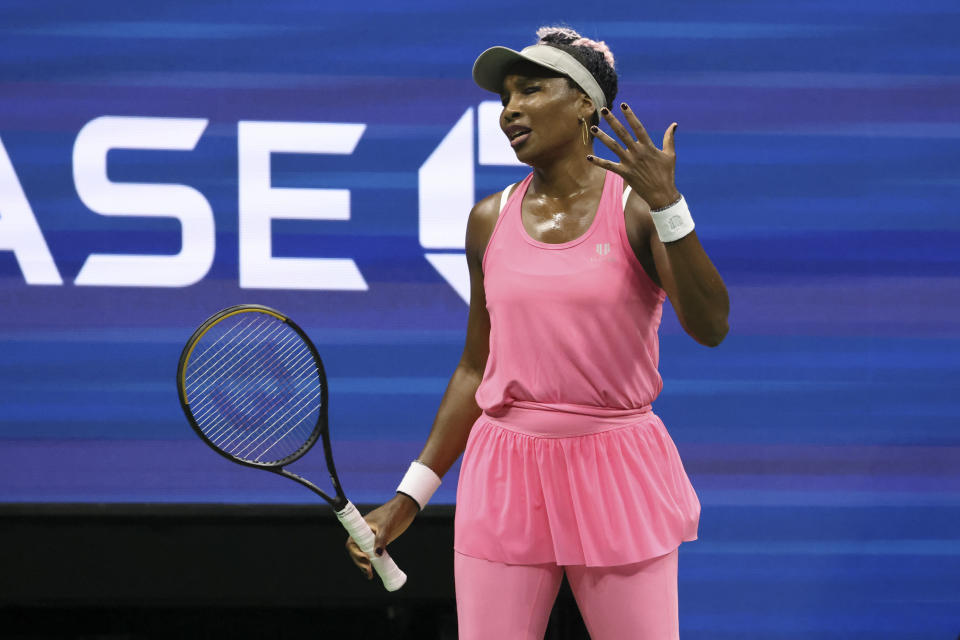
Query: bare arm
[685, 272]
[683, 269]
[458, 409]
[696, 290]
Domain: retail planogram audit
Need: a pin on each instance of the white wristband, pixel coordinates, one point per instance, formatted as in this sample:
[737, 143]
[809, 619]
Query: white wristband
[419, 483]
[673, 222]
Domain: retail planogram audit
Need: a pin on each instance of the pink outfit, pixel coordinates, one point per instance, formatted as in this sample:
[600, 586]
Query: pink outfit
[568, 464]
[513, 601]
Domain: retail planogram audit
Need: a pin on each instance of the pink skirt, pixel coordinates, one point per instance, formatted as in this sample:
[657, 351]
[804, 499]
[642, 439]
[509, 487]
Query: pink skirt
[538, 485]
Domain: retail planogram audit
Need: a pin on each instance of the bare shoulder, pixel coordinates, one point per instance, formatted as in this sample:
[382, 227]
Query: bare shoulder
[480, 224]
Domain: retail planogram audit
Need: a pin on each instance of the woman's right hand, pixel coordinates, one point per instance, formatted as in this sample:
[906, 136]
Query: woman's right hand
[387, 521]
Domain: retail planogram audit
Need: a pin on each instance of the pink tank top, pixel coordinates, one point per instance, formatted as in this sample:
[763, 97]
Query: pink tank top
[573, 326]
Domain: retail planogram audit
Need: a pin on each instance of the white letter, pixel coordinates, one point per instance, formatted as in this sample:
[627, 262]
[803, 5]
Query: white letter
[260, 203]
[19, 231]
[143, 200]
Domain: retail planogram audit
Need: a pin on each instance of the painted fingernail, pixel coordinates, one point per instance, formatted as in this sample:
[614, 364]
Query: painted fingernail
[604, 111]
[623, 105]
[380, 551]
[590, 158]
[594, 129]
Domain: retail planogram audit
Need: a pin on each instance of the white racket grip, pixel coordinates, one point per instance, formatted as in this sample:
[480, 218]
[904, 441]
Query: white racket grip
[393, 578]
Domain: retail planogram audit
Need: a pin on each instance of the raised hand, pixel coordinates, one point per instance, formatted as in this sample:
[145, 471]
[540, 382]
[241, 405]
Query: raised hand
[647, 169]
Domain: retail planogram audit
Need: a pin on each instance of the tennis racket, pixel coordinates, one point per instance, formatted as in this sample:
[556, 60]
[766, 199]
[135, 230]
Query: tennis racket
[253, 387]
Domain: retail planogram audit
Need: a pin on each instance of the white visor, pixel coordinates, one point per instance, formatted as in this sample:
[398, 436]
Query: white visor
[491, 65]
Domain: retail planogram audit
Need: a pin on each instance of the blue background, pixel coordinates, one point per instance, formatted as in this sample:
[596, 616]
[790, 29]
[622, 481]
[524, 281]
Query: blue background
[817, 147]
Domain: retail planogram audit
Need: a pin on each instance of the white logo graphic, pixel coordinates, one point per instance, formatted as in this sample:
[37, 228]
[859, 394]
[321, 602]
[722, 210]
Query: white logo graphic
[446, 187]
[603, 253]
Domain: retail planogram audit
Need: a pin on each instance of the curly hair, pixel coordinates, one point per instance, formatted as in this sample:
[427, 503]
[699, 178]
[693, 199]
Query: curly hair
[595, 56]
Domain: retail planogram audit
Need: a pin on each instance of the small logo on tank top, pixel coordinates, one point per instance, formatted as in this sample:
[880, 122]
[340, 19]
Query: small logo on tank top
[602, 253]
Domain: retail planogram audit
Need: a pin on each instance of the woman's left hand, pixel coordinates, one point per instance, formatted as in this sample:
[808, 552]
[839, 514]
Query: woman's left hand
[648, 170]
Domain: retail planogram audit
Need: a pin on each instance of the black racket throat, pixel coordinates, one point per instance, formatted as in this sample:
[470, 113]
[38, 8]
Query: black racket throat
[337, 501]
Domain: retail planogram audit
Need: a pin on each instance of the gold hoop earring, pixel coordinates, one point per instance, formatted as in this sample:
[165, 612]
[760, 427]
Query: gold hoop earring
[584, 130]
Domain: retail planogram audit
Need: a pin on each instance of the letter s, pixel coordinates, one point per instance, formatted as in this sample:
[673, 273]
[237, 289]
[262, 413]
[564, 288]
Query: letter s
[178, 201]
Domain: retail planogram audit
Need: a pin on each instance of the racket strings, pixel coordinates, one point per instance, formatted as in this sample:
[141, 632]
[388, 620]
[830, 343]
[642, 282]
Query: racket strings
[292, 424]
[291, 421]
[257, 423]
[208, 354]
[229, 360]
[250, 363]
[250, 411]
[274, 411]
[272, 408]
[253, 387]
[251, 400]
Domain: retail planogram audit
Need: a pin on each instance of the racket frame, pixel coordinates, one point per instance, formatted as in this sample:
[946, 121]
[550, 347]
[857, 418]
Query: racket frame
[348, 515]
[320, 430]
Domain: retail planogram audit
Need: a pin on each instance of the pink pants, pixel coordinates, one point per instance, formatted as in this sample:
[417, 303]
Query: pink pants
[513, 601]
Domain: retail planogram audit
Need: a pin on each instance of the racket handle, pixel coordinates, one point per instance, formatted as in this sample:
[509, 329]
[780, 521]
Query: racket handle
[393, 578]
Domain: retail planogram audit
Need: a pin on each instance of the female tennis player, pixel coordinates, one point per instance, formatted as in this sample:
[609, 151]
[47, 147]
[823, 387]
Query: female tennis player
[565, 466]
